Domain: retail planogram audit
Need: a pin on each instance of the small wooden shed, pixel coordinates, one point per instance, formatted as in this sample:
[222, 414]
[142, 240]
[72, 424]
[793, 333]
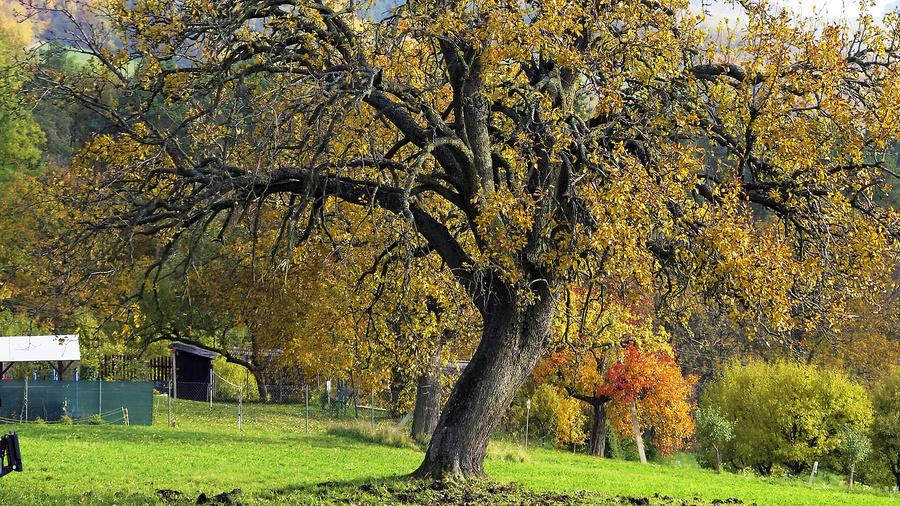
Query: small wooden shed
[192, 371]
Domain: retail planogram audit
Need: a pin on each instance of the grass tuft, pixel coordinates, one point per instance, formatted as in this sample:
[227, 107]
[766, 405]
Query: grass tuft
[507, 452]
[382, 435]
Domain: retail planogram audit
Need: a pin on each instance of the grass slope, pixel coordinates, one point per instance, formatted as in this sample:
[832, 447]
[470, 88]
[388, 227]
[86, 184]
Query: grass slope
[274, 461]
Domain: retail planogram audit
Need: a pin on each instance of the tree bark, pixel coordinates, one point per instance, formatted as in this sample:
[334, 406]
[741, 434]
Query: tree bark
[636, 424]
[261, 386]
[428, 399]
[513, 338]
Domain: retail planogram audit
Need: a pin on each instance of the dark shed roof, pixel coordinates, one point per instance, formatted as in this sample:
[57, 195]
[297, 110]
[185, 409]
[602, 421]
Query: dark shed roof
[187, 348]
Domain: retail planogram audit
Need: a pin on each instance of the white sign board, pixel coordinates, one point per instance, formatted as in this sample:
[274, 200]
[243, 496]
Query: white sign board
[39, 348]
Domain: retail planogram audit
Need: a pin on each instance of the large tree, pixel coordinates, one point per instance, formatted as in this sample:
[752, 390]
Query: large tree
[520, 145]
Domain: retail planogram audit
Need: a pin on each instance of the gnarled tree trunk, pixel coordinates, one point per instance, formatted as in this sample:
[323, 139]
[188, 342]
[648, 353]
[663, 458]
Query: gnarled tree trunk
[512, 341]
[598, 428]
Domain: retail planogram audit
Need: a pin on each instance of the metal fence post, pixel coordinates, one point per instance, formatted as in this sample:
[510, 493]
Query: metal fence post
[527, 416]
[174, 378]
[100, 397]
[241, 407]
[306, 396]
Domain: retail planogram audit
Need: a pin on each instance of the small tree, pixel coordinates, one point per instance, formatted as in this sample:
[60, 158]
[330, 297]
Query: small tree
[569, 423]
[714, 429]
[544, 406]
[647, 389]
[854, 447]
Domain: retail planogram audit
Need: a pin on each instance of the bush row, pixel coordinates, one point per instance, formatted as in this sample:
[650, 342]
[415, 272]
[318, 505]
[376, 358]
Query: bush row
[783, 417]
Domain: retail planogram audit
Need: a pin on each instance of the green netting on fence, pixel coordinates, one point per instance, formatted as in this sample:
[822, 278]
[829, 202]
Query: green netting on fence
[117, 402]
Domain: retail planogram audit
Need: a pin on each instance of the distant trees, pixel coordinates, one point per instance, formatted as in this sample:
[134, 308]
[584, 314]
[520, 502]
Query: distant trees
[784, 415]
[20, 135]
[25, 224]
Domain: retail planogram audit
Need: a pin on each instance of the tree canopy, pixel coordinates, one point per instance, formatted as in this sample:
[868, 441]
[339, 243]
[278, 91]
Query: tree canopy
[518, 147]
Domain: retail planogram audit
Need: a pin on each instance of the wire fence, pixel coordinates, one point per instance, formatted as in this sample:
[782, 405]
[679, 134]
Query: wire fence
[216, 379]
[219, 389]
[228, 400]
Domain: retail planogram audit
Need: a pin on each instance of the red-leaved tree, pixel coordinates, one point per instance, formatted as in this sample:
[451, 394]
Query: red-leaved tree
[648, 390]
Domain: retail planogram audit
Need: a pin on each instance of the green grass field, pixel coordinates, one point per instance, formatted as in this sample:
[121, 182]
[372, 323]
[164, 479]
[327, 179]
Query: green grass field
[274, 461]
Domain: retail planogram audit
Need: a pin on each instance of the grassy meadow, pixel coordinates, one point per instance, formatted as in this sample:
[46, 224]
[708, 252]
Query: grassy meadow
[275, 461]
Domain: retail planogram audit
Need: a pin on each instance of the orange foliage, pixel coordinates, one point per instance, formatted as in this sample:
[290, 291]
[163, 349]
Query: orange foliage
[653, 381]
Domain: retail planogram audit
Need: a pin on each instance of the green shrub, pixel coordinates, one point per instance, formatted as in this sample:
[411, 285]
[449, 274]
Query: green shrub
[886, 423]
[785, 415]
[626, 449]
[96, 420]
[874, 471]
[614, 447]
[66, 420]
[89, 369]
